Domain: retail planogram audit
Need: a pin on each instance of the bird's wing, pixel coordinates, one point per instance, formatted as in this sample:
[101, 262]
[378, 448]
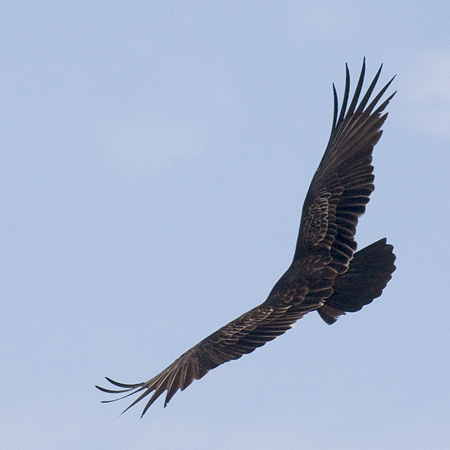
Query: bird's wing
[243, 335]
[343, 182]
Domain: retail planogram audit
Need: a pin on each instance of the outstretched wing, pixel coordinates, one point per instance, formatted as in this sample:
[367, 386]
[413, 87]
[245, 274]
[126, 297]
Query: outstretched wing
[243, 335]
[343, 182]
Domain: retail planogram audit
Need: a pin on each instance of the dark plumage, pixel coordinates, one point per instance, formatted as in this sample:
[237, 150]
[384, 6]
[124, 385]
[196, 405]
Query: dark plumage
[326, 274]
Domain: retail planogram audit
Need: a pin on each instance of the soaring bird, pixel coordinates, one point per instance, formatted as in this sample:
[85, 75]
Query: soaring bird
[327, 274]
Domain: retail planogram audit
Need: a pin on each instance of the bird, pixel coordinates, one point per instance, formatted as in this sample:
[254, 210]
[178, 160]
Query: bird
[327, 274]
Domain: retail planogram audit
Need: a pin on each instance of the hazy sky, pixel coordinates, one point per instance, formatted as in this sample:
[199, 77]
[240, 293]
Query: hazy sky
[155, 157]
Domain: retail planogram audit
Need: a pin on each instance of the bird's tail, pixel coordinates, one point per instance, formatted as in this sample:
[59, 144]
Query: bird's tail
[368, 274]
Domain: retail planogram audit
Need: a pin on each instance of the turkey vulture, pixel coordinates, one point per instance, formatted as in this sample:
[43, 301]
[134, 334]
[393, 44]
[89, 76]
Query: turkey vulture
[327, 275]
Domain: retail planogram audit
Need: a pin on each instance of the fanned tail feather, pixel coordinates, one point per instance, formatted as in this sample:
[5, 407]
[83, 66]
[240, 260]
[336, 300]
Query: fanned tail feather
[370, 270]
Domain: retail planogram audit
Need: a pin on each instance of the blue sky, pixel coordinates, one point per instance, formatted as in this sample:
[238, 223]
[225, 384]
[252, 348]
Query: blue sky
[155, 157]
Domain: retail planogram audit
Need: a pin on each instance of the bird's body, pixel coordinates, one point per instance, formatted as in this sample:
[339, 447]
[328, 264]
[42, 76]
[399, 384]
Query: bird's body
[326, 274]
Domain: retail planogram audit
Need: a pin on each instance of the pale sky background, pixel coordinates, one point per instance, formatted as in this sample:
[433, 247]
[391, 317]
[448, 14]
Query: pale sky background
[155, 157]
